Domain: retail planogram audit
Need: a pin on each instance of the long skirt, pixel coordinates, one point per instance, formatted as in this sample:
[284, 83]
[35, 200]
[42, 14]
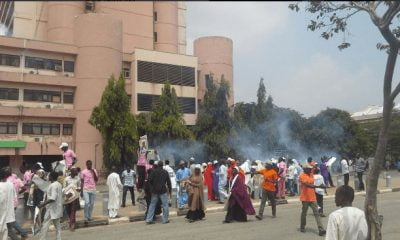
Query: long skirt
[197, 214]
[236, 213]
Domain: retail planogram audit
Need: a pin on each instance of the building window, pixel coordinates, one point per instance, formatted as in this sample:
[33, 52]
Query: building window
[127, 72]
[155, 36]
[68, 97]
[155, 16]
[42, 96]
[69, 66]
[9, 93]
[67, 129]
[8, 128]
[130, 100]
[41, 129]
[146, 103]
[43, 63]
[161, 73]
[10, 60]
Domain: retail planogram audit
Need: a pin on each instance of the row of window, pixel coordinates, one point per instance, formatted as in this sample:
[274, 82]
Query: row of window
[38, 63]
[37, 95]
[36, 128]
[146, 102]
[161, 73]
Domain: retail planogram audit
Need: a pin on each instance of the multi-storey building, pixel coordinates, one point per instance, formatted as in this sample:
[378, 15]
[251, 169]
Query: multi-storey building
[56, 59]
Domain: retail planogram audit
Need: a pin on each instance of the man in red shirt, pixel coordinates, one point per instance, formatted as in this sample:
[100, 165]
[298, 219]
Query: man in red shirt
[308, 199]
[270, 179]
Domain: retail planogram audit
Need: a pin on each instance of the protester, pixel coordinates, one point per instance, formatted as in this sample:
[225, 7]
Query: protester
[196, 203]
[215, 180]
[147, 191]
[129, 180]
[36, 195]
[308, 199]
[192, 165]
[89, 179]
[223, 176]
[282, 178]
[114, 186]
[347, 222]
[290, 176]
[18, 187]
[324, 170]
[7, 213]
[160, 185]
[54, 207]
[208, 181]
[319, 192]
[182, 175]
[68, 155]
[141, 165]
[72, 181]
[27, 177]
[171, 173]
[270, 180]
[345, 171]
[239, 203]
[360, 169]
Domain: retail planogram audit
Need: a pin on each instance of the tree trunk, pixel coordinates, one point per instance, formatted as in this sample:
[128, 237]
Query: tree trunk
[371, 211]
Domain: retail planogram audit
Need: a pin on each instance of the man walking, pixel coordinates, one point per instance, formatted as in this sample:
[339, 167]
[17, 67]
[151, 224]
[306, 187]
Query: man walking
[68, 155]
[114, 186]
[7, 214]
[171, 173]
[89, 179]
[223, 178]
[270, 180]
[282, 177]
[129, 180]
[347, 222]
[54, 207]
[345, 171]
[308, 199]
[158, 180]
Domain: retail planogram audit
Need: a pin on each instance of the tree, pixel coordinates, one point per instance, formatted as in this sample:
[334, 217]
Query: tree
[214, 123]
[113, 119]
[166, 120]
[332, 17]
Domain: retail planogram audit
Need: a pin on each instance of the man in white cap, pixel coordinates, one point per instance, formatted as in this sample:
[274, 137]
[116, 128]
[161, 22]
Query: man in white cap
[69, 156]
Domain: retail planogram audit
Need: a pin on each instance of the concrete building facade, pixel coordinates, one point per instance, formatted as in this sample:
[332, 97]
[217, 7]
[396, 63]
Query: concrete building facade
[56, 59]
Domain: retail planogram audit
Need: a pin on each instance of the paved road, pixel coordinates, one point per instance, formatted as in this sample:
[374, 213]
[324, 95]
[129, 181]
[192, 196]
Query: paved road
[285, 226]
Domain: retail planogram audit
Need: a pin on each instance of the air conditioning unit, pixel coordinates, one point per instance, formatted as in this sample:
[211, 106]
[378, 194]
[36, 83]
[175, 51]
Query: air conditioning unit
[38, 139]
[58, 68]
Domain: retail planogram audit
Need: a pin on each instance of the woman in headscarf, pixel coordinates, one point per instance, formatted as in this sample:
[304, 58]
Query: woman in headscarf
[196, 203]
[208, 180]
[239, 203]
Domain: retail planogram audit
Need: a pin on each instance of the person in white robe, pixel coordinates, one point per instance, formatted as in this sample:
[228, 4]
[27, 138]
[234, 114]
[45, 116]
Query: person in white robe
[114, 199]
[7, 214]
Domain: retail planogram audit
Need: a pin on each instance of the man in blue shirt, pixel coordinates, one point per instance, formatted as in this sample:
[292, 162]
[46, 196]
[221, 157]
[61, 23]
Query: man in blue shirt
[182, 175]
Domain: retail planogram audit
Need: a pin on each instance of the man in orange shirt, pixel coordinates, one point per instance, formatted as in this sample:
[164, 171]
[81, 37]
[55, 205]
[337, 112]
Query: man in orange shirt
[308, 199]
[270, 179]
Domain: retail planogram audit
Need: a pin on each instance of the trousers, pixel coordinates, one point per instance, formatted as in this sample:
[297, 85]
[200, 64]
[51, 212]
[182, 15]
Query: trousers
[89, 198]
[46, 225]
[164, 205]
[304, 211]
[267, 195]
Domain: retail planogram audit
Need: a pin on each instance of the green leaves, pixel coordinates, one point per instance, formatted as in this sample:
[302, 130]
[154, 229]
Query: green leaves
[113, 119]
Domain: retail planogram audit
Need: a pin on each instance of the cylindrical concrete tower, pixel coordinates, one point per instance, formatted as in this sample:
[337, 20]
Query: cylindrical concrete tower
[99, 41]
[61, 16]
[166, 26]
[214, 57]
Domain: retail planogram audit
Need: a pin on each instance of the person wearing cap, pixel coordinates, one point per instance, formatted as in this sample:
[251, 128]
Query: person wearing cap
[239, 204]
[308, 199]
[208, 181]
[196, 202]
[182, 175]
[223, 176]
[215, 180]
[68, 155]
[270, 180]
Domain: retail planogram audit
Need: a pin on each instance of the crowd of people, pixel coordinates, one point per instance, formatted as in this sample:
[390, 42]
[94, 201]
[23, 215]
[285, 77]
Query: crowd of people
[54, 196]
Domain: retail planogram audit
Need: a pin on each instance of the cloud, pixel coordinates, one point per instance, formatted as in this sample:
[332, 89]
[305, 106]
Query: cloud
[323, 82]
[248, 24]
